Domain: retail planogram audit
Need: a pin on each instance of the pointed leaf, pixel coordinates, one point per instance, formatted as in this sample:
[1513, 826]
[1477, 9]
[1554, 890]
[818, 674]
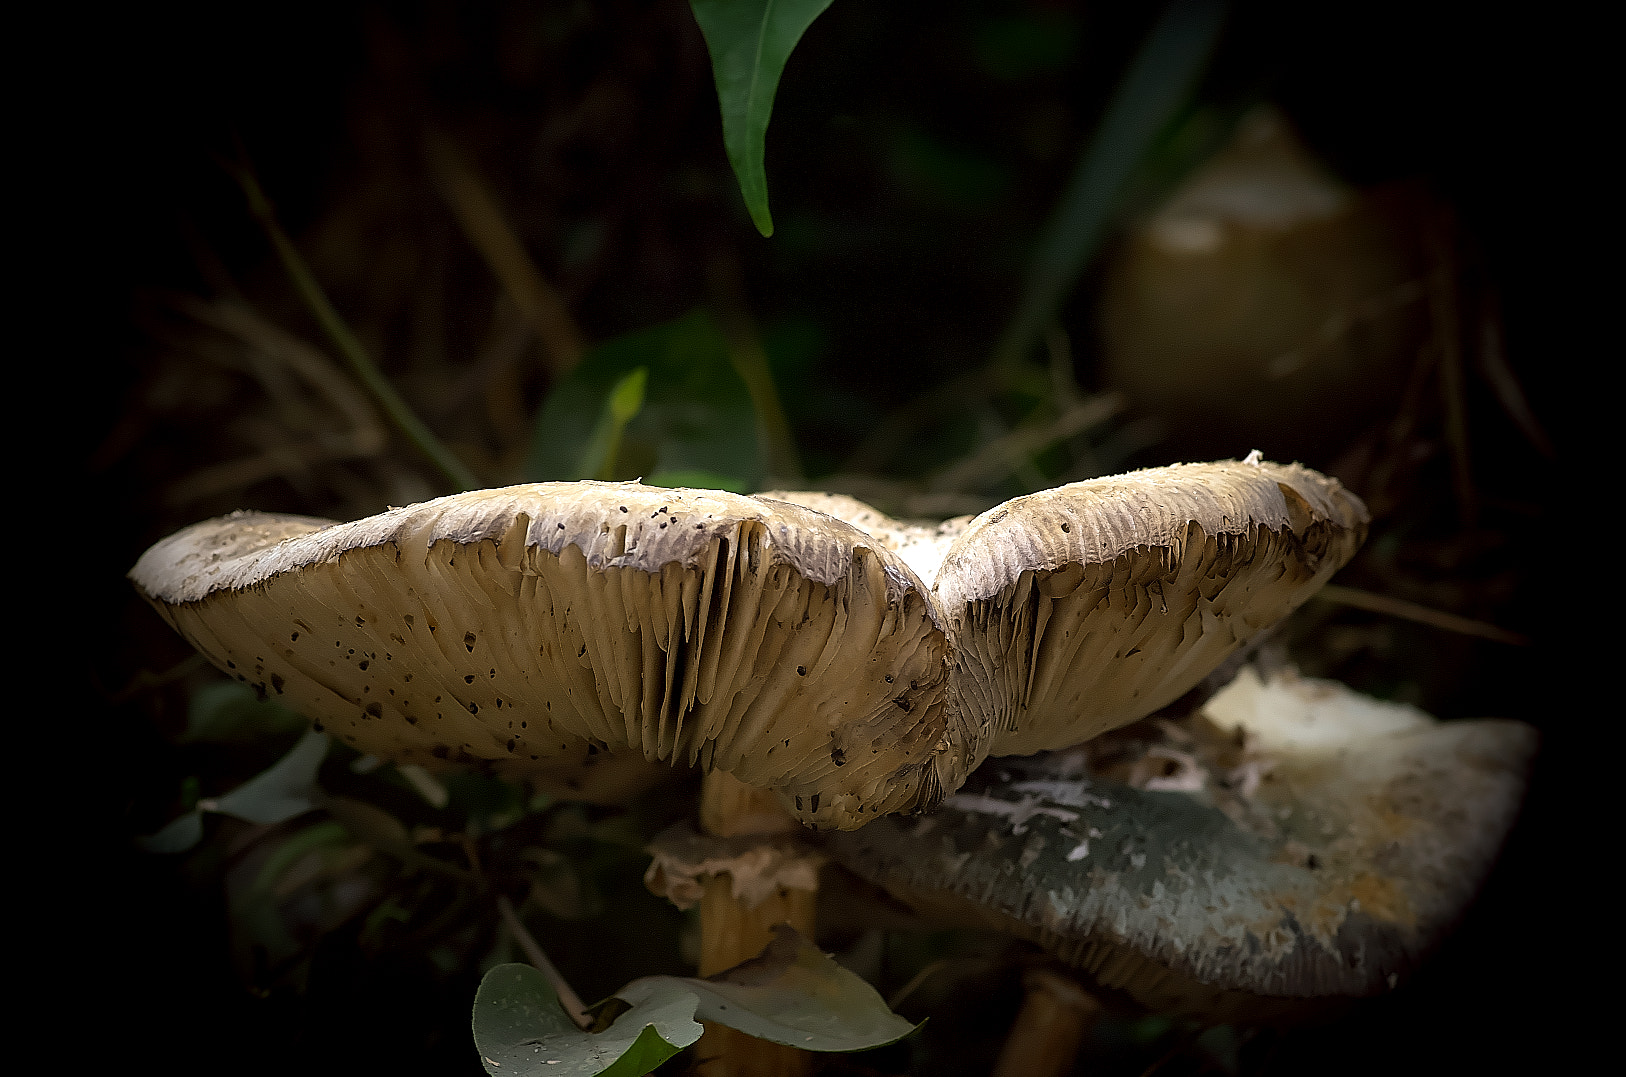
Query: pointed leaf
[286, 789]
[520, 1029]
[696, 414]
[793, 994]
[228, 711]
[749, 41]
[179, 836]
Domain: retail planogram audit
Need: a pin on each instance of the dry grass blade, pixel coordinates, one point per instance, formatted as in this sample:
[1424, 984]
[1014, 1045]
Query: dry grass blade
[1494, 366]
[1003, 455]
[1445, 312]
[243, 322]
[482, 222]
[361, 363]
[1341, 323]
[1411, 611]
[272, 351]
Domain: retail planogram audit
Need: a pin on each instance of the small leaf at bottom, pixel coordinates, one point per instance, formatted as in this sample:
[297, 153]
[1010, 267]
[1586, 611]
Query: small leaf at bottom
[521, 1031]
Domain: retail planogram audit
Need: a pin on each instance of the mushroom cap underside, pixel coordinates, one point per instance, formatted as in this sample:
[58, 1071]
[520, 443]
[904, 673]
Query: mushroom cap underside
[529, 627]
[1080, 609]
[759, 636]
[1272, 875]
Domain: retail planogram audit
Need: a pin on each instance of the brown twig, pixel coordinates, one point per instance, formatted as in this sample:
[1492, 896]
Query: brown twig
[1411, 611]
[1341, 322]
[344, 340]
[915, 982]
[1493, 365]
[1446, 313]
[534, 953]
[483, 223]
[1005, 454]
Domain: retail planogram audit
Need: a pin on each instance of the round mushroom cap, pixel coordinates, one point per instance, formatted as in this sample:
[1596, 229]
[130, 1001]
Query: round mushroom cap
[1292, 844]
[1080, 609]
[527, 628]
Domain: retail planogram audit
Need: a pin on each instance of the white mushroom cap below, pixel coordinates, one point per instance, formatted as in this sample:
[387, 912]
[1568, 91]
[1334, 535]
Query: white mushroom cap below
[1323, 858]
[1080, 609]
[526, 628]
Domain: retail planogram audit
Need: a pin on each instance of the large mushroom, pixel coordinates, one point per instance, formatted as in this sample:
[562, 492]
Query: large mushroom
[527, 629]
[798, 646]
[1076, 610]
[538, 629]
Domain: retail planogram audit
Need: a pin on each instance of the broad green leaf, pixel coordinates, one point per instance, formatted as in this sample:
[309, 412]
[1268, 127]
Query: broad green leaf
[696, 413]
[625, 400]
[321, 835]
[793, 994]
[521, 1031]
[1159, 81]
[179, 836]
[696, 479]
[227, 710]
[286, 789]
[749, 42]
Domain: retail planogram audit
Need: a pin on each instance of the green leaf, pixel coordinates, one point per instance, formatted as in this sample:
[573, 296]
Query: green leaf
[695, 479]
[520, 1029]
[794, 994]
[696, 414]
[321, 835]
[750, 41]
[791, 993]
[228, 711]
[1150, 94]
[286, 789]
[179, 836]
[625, 400]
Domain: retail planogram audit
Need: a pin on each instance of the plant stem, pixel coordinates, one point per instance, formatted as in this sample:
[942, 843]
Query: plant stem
[400, 414]
[537, 956]
[1411, 611]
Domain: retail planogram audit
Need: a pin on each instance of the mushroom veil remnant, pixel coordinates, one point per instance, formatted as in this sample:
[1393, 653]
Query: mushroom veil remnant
[526, 629]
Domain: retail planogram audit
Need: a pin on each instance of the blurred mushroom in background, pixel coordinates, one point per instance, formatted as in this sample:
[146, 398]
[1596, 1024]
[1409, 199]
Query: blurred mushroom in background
[1265, 302]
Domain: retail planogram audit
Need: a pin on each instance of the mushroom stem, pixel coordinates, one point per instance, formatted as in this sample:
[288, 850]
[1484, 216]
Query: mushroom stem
[1055, 1017]
[732, 932]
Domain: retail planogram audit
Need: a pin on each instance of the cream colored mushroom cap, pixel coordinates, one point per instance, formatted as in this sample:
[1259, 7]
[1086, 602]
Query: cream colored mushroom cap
[922, 546]
[525, 629]
[1080, 609]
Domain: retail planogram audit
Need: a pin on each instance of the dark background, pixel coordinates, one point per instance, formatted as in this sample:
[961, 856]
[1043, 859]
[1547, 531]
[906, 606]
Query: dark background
[906, 278]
